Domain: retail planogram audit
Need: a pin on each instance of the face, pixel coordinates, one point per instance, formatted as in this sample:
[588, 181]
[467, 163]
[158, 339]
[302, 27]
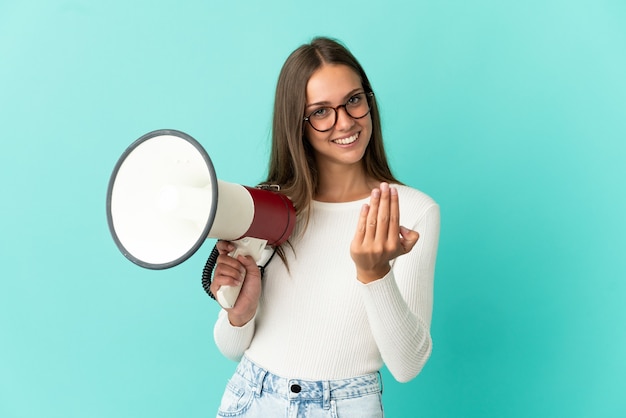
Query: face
[344, 144]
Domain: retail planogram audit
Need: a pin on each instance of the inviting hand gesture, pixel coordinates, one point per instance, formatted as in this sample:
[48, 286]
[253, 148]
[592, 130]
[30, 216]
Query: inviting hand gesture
[379, 237]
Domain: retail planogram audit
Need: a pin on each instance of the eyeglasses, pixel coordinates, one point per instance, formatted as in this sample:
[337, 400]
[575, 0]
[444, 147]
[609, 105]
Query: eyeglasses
[324, 119]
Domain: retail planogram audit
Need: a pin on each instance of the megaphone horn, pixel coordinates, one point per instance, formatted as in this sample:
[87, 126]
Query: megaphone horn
[164, 200]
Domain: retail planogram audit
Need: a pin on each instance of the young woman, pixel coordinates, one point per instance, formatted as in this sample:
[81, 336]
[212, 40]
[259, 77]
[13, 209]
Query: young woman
[354, 288]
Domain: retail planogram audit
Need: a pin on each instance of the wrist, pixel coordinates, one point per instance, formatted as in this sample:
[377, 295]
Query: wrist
[370, 275]
[239, 320]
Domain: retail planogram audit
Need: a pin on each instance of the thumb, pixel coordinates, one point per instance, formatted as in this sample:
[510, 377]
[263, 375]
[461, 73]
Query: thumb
[408, 238]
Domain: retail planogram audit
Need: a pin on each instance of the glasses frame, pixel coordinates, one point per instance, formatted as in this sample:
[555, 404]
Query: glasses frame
[368, 96]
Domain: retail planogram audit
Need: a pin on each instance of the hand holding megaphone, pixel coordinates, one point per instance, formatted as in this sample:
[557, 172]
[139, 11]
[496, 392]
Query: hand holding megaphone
[164, 200]
[227, 295]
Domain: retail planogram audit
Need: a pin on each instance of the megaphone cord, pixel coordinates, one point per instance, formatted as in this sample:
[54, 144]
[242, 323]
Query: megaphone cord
[207, 271]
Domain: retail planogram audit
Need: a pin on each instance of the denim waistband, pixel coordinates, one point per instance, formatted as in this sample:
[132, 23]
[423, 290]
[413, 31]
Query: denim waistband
[308, 390]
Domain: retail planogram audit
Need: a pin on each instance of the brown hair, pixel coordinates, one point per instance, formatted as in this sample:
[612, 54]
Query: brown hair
[292, 161]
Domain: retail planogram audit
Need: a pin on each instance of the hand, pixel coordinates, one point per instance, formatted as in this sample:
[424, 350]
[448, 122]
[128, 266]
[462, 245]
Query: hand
[379, 237]
[233, 272]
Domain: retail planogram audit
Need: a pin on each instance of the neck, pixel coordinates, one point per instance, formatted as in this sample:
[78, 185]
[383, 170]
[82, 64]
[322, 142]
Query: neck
[343, 184]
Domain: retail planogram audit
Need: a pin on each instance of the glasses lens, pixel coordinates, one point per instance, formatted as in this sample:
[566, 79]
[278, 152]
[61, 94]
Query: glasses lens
[358, 106]
[323, 119]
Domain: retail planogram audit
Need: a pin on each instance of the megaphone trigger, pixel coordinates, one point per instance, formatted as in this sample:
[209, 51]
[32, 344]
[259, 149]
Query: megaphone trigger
[227, 295]
[249, 246]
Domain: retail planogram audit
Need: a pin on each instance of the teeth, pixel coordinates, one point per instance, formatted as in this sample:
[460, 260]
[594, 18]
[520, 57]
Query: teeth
[346, 141]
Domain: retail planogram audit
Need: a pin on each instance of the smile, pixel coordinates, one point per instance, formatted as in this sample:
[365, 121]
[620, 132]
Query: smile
[346, 141]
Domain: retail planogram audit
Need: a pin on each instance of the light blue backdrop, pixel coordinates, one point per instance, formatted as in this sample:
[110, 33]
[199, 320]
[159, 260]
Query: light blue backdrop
[510, 114]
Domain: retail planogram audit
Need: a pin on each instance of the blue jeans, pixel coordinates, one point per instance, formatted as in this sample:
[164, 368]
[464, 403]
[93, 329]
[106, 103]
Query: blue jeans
[253, 392]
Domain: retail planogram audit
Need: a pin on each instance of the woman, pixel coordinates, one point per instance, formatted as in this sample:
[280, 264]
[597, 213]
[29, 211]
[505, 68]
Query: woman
[354, 288]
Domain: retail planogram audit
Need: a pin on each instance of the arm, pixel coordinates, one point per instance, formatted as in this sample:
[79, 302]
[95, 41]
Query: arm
[398, 300]
[234, 328]
[399, 305]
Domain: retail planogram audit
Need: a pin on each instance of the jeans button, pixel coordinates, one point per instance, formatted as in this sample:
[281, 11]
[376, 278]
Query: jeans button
[295, 388]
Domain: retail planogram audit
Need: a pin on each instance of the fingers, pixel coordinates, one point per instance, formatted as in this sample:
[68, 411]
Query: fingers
[233, 268]
[243, 273]
[382, 219]
[361, 224]
[247, 301]
[394, 214]
[224, 247]
[382, 216]
[408, 238]
[372, 216]
[379, 238]
[228, 272]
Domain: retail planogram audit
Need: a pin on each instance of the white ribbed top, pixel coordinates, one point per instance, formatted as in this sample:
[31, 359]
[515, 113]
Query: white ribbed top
[318, 322]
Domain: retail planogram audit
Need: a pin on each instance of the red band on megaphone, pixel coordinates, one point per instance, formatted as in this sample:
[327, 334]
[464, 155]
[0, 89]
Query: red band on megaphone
[274, 216]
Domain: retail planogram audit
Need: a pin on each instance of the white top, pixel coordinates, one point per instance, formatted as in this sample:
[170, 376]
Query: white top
[318, 322]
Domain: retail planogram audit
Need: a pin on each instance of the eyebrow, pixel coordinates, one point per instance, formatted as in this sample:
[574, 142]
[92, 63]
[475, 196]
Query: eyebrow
[346, 97]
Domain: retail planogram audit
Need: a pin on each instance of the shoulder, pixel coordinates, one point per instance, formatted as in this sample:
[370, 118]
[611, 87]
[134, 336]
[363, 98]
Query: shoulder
[415, 204]
[414, 195]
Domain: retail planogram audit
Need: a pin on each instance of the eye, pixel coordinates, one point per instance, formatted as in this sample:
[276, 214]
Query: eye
[355, 100]
[320, 113]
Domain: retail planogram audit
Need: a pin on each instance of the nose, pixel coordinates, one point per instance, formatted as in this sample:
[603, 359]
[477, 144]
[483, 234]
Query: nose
[344, 120]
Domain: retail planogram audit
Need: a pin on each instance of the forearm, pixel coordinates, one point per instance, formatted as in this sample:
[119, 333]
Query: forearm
[232, 341]
[402, 337]
[399, 305]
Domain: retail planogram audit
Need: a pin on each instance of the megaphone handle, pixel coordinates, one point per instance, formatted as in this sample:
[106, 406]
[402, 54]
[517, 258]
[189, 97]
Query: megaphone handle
[227, 295]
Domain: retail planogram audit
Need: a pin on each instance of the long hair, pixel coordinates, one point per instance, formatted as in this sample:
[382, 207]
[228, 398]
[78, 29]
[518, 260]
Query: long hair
[292, 160]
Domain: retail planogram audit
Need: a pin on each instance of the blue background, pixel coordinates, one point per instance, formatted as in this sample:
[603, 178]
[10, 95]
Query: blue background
[510, 114]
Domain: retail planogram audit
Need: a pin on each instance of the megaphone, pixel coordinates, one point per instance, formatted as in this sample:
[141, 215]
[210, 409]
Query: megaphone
[164, 200]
